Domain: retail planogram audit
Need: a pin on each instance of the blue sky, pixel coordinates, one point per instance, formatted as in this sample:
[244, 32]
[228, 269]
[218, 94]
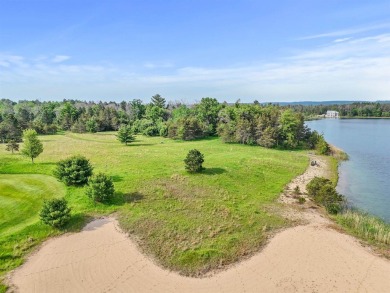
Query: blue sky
[185, 50]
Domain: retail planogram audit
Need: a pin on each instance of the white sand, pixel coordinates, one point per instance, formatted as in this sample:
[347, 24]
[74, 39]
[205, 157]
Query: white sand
[306, 258]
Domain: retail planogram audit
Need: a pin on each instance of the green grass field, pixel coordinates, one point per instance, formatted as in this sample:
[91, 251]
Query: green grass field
[23, 195]
[190, 223]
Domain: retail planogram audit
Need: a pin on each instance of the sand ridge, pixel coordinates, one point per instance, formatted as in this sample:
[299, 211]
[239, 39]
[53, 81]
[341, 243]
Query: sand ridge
[305, 258]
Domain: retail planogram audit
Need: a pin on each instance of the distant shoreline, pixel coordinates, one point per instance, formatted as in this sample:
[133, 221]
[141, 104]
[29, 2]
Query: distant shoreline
[345, 118]
[360, 117]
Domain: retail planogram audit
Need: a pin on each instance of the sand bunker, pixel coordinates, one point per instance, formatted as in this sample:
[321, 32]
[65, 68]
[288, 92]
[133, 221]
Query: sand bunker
[307, 258]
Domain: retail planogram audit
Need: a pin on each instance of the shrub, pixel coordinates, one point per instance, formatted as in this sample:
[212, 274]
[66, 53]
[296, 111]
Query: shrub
[100, 188]
[146, 127]
[79, 127]
[297, 190]
[125, 134]
[322, 146]
[162, 129]
[151, 131]
[74, 171]
[314, 186]
[193, 161]
[187, 128]
[323, 192]
[91, 125]
[55, 213]
[12, 146]
[191, 128]
[301, 200]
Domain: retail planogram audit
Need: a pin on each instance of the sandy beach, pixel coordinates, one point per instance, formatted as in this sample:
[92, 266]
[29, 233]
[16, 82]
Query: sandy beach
[311, 257]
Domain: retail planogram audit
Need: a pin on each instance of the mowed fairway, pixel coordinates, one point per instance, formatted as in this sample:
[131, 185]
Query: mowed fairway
[189, 222]
[21, 199]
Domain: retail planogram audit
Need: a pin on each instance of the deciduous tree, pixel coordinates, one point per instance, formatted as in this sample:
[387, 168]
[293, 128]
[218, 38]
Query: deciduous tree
[12, 146]
[32, 146]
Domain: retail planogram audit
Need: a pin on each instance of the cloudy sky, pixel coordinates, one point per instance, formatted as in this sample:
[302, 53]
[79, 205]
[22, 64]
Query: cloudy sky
[273, 51]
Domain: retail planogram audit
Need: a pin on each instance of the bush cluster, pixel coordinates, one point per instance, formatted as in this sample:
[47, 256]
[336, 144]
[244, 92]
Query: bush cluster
[55, 213]
[100, 188]
[77, 170]
[323, 192]
[74, 171]
[193, 161]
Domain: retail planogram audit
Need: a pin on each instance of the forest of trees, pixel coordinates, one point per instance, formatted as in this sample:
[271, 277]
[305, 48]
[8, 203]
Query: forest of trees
[254, 124]
[363, 109]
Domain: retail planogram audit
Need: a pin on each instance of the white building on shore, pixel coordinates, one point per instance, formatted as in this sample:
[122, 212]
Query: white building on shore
[332, 114]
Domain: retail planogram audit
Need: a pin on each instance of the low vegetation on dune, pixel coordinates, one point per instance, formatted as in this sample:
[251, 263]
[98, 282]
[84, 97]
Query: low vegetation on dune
[366, 227]
[191, 222]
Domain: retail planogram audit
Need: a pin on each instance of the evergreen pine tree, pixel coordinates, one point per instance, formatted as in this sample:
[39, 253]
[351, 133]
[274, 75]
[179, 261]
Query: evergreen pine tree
[125, 134]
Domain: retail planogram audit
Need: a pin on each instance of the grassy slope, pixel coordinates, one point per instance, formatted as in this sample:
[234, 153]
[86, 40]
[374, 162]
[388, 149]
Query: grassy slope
[21, 199]
[190, 222]
[23, 195]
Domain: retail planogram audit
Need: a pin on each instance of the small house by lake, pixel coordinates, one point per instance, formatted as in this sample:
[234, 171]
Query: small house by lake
[332, 114]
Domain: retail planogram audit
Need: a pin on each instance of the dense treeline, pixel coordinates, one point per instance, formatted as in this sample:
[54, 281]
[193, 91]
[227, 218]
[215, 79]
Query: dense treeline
[264, 125]
[364, 109]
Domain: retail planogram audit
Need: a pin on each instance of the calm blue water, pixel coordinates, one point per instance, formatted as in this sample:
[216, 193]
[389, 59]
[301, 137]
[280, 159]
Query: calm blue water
[365, 178]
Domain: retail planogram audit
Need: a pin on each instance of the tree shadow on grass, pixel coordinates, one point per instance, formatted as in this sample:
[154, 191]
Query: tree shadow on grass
[121, 198]
[133, 197]
[117, 178]
[134, 144]
[213, 171]
[77, 222]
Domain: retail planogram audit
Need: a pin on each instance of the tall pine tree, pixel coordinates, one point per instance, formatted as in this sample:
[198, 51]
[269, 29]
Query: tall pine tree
[158, 101]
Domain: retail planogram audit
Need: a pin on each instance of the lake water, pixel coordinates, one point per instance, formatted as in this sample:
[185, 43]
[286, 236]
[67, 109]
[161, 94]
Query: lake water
[365, 178]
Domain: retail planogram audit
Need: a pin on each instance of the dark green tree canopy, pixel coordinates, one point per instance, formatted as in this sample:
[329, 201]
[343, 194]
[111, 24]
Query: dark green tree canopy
[55, 213]
[193, 161]
[125, 134]
[266, 125]
[74, 171]
[100, 188]
[10, 129]
[136, 110]
[207, 111]
[323, 192]
[12, 146]
[158, 101]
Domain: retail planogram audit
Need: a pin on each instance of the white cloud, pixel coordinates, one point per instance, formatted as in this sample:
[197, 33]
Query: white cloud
[7, 60]
[341, 40]
[60, 58]
[347, 32]
[154, 65]
[357, 68]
